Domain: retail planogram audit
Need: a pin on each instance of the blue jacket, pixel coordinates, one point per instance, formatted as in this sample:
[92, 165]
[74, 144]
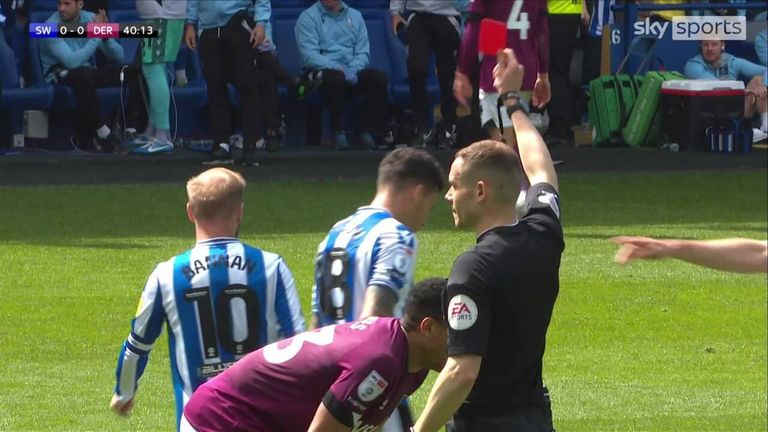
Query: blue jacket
[207, 14]
[735, 68]
[75, 53]
[761, 47]
[328, 41]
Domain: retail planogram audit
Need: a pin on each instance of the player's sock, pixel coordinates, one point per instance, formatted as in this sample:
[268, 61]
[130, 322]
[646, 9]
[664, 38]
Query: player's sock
[103, 132]
[163, 134]
[149, 131]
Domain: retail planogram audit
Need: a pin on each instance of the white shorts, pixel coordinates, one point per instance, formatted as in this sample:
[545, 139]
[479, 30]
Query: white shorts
[489, 110]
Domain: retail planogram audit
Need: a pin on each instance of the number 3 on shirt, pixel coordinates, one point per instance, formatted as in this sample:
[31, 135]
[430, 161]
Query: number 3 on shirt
[519, 21]
[277, 355]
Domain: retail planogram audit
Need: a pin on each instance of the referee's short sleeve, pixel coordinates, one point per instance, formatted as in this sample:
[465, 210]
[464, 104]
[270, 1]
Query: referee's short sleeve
[467, 306]
[542, 203]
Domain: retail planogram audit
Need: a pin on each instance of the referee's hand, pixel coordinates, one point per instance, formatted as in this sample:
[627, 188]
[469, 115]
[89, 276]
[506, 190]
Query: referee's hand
[508, 73]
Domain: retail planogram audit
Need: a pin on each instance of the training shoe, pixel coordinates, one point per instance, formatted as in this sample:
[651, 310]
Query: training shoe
[447, 137]
[138, 141]
[249, 157]
[758, 135]
[340, 140]
[273, 141]
[366, 141]
[305, 87]
[154, 146]
[220, 156]
[108, 144]
[236, 141]
[424, 139]
[389, 141]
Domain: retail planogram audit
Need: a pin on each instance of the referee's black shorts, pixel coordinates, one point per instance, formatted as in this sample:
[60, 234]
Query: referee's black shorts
[536, 418]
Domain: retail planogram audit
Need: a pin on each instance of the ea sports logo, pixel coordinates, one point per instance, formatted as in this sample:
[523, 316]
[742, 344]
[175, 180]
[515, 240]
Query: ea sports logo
[462, 312]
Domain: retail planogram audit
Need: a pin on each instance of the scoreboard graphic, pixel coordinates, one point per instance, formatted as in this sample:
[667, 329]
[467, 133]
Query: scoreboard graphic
[91, 31]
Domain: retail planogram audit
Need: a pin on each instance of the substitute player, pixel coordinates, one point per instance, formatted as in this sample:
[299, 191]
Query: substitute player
[527, 35]
[501, 292]
[338, 378]
[219, 300]
[364, 266]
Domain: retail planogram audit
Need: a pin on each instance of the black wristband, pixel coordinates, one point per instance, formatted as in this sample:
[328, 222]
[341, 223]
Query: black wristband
[516, 107]
[507, 96]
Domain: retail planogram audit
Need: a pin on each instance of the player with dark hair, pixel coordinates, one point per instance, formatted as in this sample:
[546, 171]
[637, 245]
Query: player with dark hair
[501, 292]
[337, 378]
[364, 266]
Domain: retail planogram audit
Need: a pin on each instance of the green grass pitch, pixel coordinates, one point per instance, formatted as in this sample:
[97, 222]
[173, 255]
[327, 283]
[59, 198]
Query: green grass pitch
[655, 346]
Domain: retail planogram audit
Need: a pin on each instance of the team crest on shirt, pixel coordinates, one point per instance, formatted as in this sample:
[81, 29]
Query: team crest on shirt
[462, 312]
[371, 387]
[550, 199]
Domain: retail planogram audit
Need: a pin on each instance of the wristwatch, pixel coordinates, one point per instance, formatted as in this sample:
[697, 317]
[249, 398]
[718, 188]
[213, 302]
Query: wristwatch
[514, 107]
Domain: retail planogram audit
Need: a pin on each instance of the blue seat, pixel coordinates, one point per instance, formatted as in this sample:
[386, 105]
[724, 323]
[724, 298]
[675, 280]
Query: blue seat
[369, 4]
[195, 93]
[121, 5]
[291, 4]
[43, 6]
[38, 96]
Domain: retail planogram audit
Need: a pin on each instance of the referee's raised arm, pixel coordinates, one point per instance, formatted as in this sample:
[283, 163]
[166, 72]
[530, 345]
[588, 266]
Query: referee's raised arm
[533, 152]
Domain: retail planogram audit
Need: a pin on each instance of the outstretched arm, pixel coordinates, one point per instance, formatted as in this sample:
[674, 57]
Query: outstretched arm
[534, 155]
[735, 254]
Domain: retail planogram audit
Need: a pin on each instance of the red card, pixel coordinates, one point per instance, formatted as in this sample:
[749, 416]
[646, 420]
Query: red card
[493, 36]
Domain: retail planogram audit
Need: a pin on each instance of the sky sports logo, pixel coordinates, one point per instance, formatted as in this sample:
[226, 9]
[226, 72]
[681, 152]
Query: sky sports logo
[695, 28]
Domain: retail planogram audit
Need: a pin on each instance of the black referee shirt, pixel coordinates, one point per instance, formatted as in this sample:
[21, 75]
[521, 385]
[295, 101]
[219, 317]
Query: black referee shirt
[499, 302]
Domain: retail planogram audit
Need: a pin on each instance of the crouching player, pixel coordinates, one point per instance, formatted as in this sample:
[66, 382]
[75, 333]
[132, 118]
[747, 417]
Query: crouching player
[347, 377]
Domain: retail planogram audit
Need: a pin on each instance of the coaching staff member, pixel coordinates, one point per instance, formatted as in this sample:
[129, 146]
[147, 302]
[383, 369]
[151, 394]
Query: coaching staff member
[500, 293]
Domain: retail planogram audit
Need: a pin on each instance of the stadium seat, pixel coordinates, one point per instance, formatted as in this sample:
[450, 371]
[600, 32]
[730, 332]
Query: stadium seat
[121, 5]
[195, 93]
[35, 97]
[292, 4]
[369, 4]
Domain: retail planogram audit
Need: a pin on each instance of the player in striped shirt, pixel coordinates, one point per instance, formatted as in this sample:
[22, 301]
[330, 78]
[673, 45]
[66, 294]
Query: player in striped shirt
[220, 300]
[364, 267]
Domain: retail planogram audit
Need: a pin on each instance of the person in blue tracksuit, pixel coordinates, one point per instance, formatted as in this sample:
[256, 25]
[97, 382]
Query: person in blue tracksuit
[72, 62]
[333, 44]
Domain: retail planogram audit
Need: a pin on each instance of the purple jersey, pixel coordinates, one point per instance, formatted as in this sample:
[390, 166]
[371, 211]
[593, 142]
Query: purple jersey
[358, 370]
[527, 35]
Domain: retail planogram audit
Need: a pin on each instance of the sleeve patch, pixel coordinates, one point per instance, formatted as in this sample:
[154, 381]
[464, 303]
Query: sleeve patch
[551, 200]
[372, 387]
[462, 312]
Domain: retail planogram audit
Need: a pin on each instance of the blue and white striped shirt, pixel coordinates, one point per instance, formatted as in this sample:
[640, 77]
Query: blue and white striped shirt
[368, 248]
[219, 300]
[601, 16]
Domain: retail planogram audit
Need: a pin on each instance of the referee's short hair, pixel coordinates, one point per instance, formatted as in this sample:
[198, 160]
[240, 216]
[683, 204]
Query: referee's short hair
[494, 161]
[424, 301]
[407, 166]
[215, 193]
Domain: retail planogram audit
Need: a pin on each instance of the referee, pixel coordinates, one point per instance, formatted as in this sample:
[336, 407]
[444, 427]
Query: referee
[501, 292]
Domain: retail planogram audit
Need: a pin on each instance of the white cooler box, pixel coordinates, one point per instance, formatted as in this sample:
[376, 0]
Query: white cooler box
[690, 107]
